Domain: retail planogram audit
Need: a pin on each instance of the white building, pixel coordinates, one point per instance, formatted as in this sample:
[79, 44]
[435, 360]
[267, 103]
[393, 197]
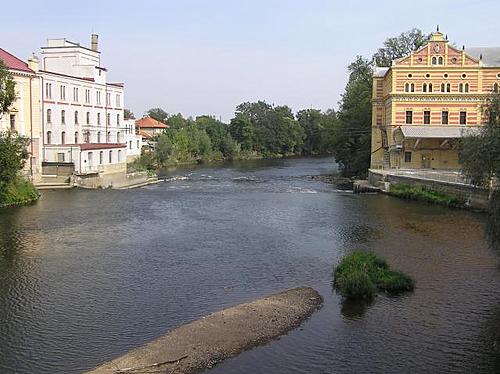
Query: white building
[132, 140]
[82, 113]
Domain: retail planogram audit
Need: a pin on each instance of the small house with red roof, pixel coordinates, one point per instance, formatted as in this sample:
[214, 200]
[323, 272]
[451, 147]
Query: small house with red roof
[149, 127]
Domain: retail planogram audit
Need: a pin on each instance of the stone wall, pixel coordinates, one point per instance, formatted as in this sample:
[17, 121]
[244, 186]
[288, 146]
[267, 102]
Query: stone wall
[476, 197]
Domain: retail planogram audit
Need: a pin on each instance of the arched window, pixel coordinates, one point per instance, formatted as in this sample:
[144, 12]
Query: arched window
[88, 118]
[460, 87]
[101, 157]
[49, 137]
[63, 117]
[466, 87]
[430, 87]
[441, 60]
[63, 138]
[98, 137]
[108, 138]
[448, 87]
[424, 87]
[412, 87]
[434, 60]
[118, 137]
[99, 119]
[49, 115]
[442, 87]
[407, 87]
[76, 137]
[108, 119]
[119, 155]
[495, 88]
[76, 117]
[86, 137]
[110, 157]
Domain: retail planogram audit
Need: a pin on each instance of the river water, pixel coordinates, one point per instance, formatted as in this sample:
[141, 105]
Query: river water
[87, 275]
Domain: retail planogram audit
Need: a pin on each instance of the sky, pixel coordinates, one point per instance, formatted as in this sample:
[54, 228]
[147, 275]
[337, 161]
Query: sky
[199, 57]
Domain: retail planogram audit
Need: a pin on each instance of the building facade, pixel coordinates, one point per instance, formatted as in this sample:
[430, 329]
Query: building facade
[428, 100]
[132, 140]
[24, 114]
[82, 113]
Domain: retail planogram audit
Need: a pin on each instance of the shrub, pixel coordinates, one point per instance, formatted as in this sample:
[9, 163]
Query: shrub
[19, 192]
[361, 275]
[421, 193]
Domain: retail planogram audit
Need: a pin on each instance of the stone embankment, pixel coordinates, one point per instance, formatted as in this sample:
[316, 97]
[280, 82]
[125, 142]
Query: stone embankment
[202, 344]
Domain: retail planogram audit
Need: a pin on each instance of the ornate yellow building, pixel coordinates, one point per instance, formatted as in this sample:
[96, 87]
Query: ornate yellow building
[426, 101]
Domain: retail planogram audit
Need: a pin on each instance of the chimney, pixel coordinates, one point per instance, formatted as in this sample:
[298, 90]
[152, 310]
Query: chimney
[94, 42]
[34, 63]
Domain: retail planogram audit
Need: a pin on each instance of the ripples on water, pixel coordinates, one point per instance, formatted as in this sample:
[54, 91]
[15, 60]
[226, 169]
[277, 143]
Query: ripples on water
[87, 275]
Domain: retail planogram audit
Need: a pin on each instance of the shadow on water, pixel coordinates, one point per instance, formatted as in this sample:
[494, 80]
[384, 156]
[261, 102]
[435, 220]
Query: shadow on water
[355, 309]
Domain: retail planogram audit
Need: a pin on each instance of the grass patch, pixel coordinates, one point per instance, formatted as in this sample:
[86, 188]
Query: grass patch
[421, 193]
[361, 275]
[19, 192]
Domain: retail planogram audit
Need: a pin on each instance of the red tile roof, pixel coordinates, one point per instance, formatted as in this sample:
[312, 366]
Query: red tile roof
[150, 123]
[93, 146]
[145, 135]
[13, 63]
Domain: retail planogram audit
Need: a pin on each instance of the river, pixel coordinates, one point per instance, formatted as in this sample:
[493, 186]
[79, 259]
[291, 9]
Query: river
[87, 275]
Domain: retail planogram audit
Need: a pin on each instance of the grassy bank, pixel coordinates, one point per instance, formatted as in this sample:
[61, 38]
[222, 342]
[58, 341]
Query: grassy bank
[361, 275]
[421, 193]
[18, 193]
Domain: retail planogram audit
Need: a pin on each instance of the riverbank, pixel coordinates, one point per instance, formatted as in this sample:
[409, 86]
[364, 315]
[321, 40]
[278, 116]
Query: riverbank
[21, 192]
[204, 343]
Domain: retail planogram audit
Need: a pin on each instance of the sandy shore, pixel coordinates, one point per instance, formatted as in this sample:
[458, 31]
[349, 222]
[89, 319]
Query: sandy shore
[201, 344]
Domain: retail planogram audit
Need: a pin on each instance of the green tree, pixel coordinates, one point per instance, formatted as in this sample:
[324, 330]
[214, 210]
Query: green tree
[13, 155]
[127, 114]
[243, 132]
[216, 130]
[7, 89]
[158, 114]
[400, 46]
[352, 140]
[480, 151]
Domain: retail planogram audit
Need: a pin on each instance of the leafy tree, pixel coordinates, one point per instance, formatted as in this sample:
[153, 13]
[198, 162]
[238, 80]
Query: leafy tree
[177, 121]
[480, 151]
[216, 130]
[127, 114]
[158, 114]
[7, 89]
[242, 131]
[13, 155]
[400, 46]
[352, 141]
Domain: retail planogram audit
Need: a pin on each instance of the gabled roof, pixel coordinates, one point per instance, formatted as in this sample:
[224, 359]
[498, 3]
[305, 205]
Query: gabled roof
[490, 55]
[150, 123]
[13, 63]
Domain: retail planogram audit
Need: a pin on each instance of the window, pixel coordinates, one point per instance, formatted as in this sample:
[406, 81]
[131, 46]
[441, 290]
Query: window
[460, 87]
[60, 157]
[495, 88]
[110, 157]
[63, 138]
[49, 137]
[98, 137]
[443, 87]
[424, 87]
[12, 122]
[117, 120]
[463, 118]
[99, 119]
[86, 137]
[118, 101]
[407, 156]
[118, 135]
[76, 117]
[48, 90]
[75, 94]
[427, 117]
[63, 117]
[448, 87]
[108, 99]
[63, 92]
[87, 96]
[430, 87]
[138, 144]
[98, 97]
[412, 87]
[108, 137]
[466, 87]
[88, 118]
[119, 155]
[440, 60]
[108, 119]
[130, 144]
[434, 61]
[444, 117]
[101, 157]
[49, 115]
[76, 137]
[409, 117]
[407, 87]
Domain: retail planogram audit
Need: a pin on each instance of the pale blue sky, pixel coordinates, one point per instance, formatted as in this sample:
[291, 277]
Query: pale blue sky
[206, 56]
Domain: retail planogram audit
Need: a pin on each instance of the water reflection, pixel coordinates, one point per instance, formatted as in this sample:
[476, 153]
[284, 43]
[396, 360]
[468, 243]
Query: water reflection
[355, 309]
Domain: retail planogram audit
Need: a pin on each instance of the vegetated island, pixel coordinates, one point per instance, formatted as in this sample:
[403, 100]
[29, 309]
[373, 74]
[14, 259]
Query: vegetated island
[362, 275]
[202, 344]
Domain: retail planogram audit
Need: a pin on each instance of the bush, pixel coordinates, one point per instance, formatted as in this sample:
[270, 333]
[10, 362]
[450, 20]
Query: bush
[421, 193]
[19, 192]
[361, 275]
